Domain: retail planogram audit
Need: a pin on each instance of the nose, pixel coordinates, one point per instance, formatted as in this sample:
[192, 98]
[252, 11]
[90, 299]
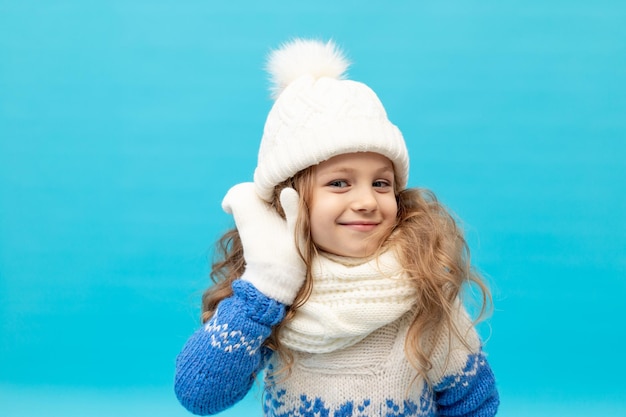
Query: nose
[364, 199]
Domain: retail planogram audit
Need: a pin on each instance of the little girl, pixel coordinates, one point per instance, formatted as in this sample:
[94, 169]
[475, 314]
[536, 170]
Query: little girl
[340, 284]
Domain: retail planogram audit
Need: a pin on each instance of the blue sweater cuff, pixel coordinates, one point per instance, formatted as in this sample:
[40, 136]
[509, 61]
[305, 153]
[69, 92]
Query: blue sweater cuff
[258, 307]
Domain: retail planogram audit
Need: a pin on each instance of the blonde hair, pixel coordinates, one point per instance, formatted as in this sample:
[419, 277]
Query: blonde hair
[431, 248]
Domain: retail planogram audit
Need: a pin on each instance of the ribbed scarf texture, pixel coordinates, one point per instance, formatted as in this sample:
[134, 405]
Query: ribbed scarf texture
[350, 299]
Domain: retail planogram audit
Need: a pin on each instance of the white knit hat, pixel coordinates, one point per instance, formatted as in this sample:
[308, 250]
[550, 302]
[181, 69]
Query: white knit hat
[318, 114]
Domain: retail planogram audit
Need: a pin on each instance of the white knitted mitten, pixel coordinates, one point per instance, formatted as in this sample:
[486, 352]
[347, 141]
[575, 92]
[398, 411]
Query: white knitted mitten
[273, 264]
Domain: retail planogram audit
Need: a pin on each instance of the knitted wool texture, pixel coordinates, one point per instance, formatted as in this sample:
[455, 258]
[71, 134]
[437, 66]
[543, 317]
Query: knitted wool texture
[371, 378]
[350, 299]
[374, 378]
[318, 115]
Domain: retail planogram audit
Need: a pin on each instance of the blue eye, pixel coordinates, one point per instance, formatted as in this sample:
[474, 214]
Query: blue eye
[338, 183]
[381, 184]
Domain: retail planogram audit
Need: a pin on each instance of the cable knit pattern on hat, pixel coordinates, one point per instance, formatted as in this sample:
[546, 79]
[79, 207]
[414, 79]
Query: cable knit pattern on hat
[318, 115]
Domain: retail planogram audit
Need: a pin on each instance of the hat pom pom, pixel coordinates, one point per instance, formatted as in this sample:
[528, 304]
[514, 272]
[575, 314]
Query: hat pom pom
[304, 57]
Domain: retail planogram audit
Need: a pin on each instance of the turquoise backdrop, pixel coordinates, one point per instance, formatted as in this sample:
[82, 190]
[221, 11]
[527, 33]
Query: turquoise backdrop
[124, 122]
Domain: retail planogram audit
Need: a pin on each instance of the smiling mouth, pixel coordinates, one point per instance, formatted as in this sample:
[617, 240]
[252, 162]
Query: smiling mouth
[360, 226]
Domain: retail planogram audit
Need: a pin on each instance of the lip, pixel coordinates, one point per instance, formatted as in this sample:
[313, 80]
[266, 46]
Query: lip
[360, 226]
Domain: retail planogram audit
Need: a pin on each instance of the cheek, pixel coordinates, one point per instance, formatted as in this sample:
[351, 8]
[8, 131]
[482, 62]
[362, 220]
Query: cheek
[315, 222]
[322, 218]
[321, 210]
[319, 232]
[390, 214]
[390, 208]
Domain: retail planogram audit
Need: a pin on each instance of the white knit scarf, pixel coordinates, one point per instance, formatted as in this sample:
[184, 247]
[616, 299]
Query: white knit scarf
[350, 299]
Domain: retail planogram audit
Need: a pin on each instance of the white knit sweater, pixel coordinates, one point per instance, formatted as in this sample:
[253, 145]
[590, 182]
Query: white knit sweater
[370, 378]
[220, 361]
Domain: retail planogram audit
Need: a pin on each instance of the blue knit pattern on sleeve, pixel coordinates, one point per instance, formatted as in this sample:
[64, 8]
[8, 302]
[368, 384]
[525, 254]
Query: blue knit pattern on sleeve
[470, 393]
[219, 362]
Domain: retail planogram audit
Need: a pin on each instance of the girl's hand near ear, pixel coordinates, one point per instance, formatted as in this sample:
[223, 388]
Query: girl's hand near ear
[273, 263]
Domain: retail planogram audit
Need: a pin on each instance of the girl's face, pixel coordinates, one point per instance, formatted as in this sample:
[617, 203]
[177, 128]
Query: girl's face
[353, 205]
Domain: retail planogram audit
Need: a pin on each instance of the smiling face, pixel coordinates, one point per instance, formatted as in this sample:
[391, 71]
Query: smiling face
[353, 205]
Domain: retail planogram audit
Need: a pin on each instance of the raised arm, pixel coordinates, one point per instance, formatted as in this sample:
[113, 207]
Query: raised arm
[219, 362]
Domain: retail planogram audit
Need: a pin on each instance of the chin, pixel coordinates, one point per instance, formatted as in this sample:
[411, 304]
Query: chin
[362, 251]
[358, 253]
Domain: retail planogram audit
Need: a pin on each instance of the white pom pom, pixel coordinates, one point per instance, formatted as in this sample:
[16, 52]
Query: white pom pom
[304, 57]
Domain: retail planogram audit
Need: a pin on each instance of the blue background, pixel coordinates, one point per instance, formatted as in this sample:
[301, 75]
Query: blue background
[123, 123]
